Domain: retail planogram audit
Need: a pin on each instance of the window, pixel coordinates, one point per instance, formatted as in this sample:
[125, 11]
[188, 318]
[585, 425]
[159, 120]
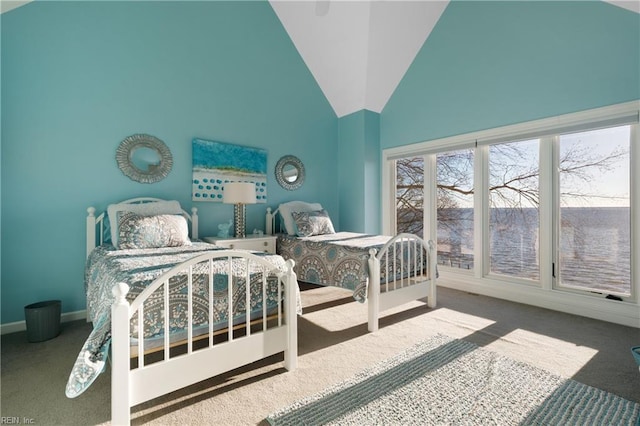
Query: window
[594, 252]
[454, 174]
[537, 212]
[409, 195]
[514, 194]
[454, 204]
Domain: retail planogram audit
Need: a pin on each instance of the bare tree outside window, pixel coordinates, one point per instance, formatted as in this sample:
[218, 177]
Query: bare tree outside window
[594, 252]
[454, 174]
[514, 198]
[410, 195]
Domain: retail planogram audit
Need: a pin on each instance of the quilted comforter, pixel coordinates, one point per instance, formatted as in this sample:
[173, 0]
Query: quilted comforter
[107, 266]
[341, 259]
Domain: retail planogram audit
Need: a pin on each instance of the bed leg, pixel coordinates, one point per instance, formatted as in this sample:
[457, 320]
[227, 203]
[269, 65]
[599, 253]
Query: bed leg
[291, 284]
[120, 389]
[374, 291]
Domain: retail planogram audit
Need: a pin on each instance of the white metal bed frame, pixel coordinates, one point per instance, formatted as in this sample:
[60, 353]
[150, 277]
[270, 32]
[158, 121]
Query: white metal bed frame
[134, 386]
[414, 284]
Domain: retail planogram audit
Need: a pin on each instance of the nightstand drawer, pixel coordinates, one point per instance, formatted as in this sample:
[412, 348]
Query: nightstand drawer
[262, 243]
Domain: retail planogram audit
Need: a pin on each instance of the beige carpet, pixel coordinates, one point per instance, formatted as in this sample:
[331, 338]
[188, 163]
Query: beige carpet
[333, 345]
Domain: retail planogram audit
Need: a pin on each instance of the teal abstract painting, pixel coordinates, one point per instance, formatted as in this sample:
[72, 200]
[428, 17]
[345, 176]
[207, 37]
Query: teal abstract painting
[217, 163]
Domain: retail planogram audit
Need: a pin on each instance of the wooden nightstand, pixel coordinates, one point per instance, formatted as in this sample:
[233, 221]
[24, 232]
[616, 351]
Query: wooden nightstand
[265, 243]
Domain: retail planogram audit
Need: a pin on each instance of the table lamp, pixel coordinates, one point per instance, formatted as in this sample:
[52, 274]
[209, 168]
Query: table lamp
[239, 194]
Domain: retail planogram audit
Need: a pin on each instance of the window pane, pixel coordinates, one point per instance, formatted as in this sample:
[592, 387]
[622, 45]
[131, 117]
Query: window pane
[513, 200]
[455, 208]
[595, 221]
[410, 195]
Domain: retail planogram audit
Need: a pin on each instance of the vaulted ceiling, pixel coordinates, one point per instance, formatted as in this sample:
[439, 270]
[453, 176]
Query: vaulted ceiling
[358, 51]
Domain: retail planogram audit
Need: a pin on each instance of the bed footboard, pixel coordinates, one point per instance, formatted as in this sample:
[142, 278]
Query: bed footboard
[276, 333]
[402, 271]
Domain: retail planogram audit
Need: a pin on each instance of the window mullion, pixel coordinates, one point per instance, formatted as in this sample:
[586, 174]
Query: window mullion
[429, 212]
[481, 250]
[547, 236]
[388, 197]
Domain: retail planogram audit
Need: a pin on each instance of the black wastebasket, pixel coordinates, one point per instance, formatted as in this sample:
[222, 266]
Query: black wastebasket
[43, 320]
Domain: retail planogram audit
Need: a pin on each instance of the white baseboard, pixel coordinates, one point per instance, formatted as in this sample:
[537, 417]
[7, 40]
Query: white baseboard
[14, 327]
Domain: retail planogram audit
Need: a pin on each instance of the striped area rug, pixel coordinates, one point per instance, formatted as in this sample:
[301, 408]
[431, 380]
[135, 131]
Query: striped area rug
[449, 381]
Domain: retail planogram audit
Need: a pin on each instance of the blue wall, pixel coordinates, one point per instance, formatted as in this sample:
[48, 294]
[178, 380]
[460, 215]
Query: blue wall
[490, 64]
[351, 178]
[359, 171]
[79, 77]
[372, 173]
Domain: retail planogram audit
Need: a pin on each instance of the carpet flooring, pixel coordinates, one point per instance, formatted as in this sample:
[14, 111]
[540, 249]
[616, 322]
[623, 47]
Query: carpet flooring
[451, 381]
[333, 345]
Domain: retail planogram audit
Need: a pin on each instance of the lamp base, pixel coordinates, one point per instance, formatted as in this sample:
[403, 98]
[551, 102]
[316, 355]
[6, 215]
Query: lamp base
[238, 219]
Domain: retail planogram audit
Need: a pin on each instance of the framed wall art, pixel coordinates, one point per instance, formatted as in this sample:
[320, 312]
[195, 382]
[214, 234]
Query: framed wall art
[217, 163]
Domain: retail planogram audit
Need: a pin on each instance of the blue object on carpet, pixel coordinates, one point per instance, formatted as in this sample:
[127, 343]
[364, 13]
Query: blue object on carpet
[636, 354]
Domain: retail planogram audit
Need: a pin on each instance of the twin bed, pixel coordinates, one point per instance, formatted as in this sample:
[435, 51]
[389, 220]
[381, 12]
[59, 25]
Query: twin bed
[169, 310]
[380, 270]
[159, 304]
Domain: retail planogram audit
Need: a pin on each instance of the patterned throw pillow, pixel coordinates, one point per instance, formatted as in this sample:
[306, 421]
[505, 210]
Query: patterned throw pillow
[313, 223]
[140, 232]
[286, 213]
[115, 212]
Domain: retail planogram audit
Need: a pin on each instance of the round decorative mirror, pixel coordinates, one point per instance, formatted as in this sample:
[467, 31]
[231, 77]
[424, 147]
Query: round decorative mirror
[290, 172]
[144, 158]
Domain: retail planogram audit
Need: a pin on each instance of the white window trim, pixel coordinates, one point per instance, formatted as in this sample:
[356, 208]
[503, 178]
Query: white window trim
[626, 312]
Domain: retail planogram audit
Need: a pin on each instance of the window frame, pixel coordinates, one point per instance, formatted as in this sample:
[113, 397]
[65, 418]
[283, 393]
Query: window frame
[556, 279]
[547, 130]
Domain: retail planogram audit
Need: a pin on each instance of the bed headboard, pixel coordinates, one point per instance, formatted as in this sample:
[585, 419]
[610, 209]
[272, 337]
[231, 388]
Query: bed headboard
[270, 222]
[285, 210]
[97, 227]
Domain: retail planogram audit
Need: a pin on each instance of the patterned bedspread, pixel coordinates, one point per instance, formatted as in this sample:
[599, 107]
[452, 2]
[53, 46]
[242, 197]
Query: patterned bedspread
[138, 268]
[338, 260]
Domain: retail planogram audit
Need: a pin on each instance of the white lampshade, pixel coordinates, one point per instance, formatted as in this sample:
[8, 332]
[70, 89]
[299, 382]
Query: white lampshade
[239, 193]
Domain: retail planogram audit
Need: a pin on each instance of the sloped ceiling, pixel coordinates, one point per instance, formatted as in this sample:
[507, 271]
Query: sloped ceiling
[358, 51]
[7, 5]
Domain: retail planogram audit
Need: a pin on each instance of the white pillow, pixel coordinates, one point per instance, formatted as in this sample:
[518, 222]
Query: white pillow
[285, 210]
[144, 209]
